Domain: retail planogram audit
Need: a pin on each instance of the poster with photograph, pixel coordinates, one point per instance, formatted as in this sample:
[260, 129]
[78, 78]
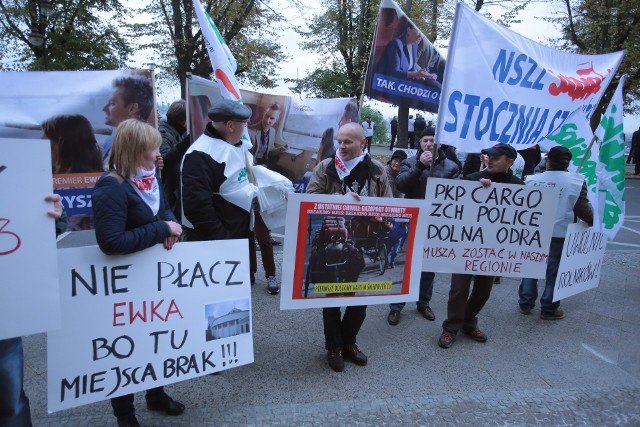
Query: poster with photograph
[76, 111]
[501, 230]
[155, 317]
[29, 296]
[404, 68]
[347, 252]
[581, 262]
[289, 135]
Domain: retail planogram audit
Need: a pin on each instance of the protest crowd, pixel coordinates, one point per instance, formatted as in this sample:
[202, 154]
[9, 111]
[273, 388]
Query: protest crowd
[159, 185]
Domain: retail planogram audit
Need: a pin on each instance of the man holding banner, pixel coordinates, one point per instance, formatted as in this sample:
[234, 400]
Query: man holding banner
[463, 308]
[354, 173]
[573, 203]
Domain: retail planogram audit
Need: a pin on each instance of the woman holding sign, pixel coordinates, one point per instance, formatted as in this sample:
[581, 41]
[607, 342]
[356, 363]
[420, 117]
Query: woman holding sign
[131, 214]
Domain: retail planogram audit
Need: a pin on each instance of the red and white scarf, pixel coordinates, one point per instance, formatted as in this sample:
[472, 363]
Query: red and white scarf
[144, 182]
[343, 167]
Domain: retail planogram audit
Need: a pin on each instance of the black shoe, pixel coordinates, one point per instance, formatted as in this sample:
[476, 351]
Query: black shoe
[164, 403]
[427, 313]
[525, 309]
[274, 242]
[336, 362]
[353, 353]
[393, 318]
[128, 421]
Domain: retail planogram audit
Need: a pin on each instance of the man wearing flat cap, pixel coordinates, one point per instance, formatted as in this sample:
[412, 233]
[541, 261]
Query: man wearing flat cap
[463, 308]
[573, 204]
[216, 192]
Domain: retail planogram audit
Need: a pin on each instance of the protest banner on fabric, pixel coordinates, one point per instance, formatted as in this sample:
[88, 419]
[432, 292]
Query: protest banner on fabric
[155, 317]
[293, 131]
[342, 251]
[404, 67]
[611, 167]
[500, 87]
[501, 230]
[575, 134]
[71, 109]
[581, 261]
[29, 297]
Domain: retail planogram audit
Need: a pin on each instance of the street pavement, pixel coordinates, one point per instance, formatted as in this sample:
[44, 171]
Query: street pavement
[583, 370]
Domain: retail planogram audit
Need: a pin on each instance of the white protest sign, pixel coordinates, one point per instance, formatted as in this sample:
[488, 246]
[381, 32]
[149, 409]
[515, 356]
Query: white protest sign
[501, 230]
[155, 317]
[500, 87]
[581, 261]
[29, 297]
[339, 251]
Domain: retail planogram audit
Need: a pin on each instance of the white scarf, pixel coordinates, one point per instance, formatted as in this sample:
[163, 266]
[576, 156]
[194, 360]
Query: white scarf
[344, 168]
[144, 182]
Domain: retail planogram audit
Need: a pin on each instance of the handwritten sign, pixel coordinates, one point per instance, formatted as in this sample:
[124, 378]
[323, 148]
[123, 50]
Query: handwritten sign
[581, 261]
[351, 253]
[502, 230]
[156, 317]
[29, 299]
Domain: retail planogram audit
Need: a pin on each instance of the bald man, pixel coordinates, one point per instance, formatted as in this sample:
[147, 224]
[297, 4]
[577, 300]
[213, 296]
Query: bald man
[352, 173]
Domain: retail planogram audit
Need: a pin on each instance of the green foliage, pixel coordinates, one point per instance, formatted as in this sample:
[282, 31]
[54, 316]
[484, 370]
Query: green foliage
[248, 27]
[79, 35]
[596, 27]
[323, 82]
[380, 131]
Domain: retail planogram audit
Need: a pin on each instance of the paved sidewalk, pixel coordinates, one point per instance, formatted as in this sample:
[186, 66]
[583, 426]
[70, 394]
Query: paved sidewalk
[583, 370]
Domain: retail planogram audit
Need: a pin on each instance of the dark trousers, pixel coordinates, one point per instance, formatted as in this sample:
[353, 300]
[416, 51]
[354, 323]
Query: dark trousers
[342, 331]
[412, 140]
[463, 308]
[261, 234]
[123, 405]
[369, 139]
[393, 140]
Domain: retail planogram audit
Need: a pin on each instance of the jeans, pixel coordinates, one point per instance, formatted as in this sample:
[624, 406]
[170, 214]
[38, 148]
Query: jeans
[426, 291]
[463, 308]
[528, 290]
[14, 404]
[341, 332]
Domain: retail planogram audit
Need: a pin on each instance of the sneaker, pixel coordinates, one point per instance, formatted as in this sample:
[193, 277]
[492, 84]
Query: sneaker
[427, 313]
[446, 339]
[475, 334]
[393, 318]
[272, 286]
[336, 362]
[353, 353]
[392, 265]
[557, 315]
[525, 309]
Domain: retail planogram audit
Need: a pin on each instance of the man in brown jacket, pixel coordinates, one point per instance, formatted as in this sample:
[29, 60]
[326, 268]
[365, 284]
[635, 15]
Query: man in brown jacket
[355, 174]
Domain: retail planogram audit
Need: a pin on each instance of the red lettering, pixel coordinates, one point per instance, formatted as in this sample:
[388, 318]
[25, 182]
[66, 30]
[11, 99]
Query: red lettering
[173, 308]
[134, 314]
[116, 314]
[155, 313]
[11, 244]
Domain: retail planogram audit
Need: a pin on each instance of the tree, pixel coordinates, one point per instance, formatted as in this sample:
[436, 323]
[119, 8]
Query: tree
[604, 26]
[248, 27]
[75, 35]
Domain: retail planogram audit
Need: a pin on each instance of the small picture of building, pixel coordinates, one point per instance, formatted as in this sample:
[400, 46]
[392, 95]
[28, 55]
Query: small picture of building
[228, 319]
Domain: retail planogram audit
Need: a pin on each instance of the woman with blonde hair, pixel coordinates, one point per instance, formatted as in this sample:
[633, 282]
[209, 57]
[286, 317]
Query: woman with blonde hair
[131, 214]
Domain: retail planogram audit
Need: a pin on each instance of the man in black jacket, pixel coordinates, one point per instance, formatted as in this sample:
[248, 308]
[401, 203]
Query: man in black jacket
[216, 192]
[175, 143]
[463, 308]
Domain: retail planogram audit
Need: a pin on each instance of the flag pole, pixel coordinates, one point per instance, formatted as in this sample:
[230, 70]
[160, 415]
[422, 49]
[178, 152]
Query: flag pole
[584, 158]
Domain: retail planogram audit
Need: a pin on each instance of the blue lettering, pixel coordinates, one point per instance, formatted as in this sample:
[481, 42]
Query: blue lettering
[504, 136]
[502, 67]
[504, 105]
[487, 105]
[455, 97]
[518, 69]
[472, 101]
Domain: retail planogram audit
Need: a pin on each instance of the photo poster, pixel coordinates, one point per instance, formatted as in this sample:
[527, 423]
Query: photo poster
[405, 69]
[502, 230]
[342, 249]
[69, 109]
[29, 296]
[290, 135]
[155, 317]
[581, 262]
[501, 87]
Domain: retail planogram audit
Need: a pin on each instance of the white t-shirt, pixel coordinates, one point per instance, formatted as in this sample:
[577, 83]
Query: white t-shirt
[368, 128]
